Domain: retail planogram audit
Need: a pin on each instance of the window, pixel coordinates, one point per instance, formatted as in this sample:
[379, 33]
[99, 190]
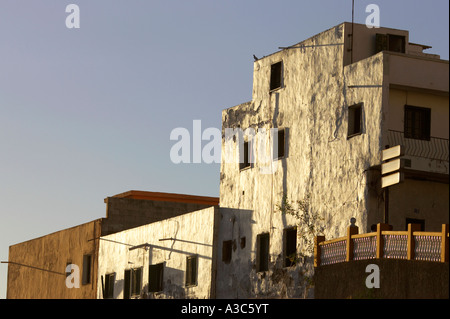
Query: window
[421, 222]
[354, 120]
[290, 246]
[390, 42]
[242, 242]
[276, 75]
[417, 122]
[108, 286]
[132, 283]
[247, 155]
[191, 270]
[155, 277]
[262, 252]
[227, 246]
[279, 150]
[87, 260]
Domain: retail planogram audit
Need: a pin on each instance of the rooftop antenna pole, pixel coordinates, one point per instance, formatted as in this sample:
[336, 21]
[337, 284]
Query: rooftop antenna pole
[353, 20]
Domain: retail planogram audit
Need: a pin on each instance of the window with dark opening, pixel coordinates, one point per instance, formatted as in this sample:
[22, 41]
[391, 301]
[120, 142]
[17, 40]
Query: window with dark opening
[132, 283]
[262, 252]
[191, 270]
[279, 150]
[226, 251]
[87, 260]
[417, 122]
[421, 222]
[155, 277]
[276, 75]
[247, 154]
[242, 242]
[290, 246]
[390, 42]
[108, 286]
[354, 120]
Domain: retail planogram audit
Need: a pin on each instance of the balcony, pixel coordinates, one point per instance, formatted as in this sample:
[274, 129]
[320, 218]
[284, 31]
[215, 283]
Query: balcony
[412, 264]
[423, 155]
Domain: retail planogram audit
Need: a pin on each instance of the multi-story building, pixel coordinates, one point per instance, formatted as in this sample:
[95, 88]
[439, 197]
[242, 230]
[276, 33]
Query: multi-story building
[337, 100]
[302, 156]
[171, 258]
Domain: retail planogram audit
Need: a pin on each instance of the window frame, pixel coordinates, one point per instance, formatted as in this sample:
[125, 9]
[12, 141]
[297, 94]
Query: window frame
[246, 149]
[352, 111]
[276, 79]
[191, 277]
[159, 276]
[108, 292]
[134, 288]
[282, 131]
[423, 131]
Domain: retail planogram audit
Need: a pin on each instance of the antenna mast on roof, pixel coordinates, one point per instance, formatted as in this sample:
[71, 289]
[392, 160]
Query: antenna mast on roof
[353, 21]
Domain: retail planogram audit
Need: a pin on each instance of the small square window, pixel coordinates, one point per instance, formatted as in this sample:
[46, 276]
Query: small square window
[262, 252]
[417, 122]
[155, 277]
[226, 251]
[354, 120]
[276, 71]
[191, 270]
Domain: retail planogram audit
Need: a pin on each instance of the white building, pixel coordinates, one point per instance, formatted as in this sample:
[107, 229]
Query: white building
[337, 100]
[337, 104]
[172, 258]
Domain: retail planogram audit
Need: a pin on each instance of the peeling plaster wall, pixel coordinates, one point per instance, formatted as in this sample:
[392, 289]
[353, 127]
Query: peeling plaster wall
[312, 104]
[184, 235]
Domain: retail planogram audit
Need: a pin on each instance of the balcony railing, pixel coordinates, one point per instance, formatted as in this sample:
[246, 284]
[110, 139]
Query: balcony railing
[384, 243]
[436, 148]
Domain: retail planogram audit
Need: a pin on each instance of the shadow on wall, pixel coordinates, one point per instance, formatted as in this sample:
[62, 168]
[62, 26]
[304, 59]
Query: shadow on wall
[173, 285]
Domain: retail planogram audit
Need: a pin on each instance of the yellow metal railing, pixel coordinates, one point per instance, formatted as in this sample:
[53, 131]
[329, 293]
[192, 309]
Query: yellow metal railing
[384, 243]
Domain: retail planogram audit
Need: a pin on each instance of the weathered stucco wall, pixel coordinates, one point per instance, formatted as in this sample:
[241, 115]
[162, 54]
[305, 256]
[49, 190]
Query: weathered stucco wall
[170, 242]
[49, 256]
[320, 161]
[338, 174]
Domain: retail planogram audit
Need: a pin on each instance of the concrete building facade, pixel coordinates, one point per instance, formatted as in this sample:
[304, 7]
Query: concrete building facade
[172, 258]
[37, 268]
[303, 157]
[337, 103]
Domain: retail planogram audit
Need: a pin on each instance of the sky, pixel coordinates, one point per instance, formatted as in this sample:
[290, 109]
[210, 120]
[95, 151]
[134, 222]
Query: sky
[86, 113]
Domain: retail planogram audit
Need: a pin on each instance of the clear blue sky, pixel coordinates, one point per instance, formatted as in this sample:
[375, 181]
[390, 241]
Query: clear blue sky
[87, 113]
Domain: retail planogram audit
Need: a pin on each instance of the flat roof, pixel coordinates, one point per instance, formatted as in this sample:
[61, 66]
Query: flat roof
[168, 197]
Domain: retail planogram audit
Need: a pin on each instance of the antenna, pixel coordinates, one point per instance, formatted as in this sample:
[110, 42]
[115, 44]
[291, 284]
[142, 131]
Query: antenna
[353, 21]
